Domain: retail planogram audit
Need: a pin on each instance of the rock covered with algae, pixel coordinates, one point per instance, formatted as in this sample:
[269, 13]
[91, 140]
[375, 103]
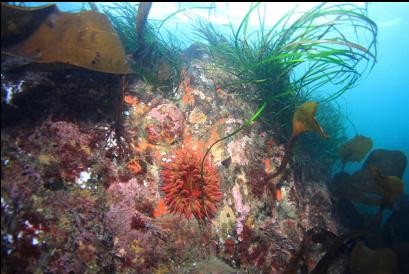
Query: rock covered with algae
[164, 124]
[90, 209]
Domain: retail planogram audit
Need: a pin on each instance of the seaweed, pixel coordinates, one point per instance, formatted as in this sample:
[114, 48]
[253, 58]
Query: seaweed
[269, 58]
[354, 150]
[147, 42]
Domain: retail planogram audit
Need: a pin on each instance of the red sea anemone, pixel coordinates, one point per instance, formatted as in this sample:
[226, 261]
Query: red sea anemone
[183, 187]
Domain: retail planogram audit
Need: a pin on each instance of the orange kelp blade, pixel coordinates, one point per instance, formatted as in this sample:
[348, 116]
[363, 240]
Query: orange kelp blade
[304, 120]
[85, 39]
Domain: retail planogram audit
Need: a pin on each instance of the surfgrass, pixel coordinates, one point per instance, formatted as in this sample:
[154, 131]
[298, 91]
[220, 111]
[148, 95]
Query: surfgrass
[295, 60]
[318, 42]
[159, 46]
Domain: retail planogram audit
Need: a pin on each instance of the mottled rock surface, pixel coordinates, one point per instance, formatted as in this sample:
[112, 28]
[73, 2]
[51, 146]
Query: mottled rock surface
[81, 203]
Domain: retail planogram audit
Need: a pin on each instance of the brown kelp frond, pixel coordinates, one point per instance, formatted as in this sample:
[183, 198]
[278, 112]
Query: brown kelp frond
[355, 149]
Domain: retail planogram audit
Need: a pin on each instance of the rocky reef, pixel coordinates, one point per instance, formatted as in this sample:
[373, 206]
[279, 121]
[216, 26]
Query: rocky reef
[73, 202]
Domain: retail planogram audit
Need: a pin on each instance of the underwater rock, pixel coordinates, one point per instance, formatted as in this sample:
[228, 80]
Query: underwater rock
[197, 116]
[194, 51]
[164, 124]
[389, 162]
[238, 150]
[54, 184]
[136, 238]
[69, 134]
[241, 209]
[348, 214]
[164, 72]
[211, 265]
[225, 220]
[337, 185]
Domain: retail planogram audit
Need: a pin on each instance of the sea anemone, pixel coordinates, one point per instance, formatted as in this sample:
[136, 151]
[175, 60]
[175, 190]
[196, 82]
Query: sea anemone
[181, 182]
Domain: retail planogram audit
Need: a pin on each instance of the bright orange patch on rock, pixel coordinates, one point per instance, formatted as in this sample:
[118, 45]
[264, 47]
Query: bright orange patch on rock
[267, 165]
[279, 195]
[193, 143]
[135, 167]
[187, 99]
[143, 145]
[160, 209]
[131, 100]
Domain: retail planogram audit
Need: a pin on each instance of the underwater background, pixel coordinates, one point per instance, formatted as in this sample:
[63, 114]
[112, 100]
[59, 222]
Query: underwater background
[205, 137]
[379, 105]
